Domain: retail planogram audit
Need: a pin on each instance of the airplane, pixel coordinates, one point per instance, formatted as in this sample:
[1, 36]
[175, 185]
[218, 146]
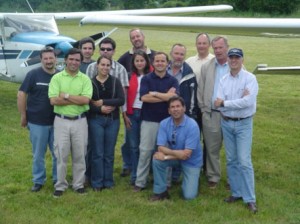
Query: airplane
[270, 27]
[23, 35]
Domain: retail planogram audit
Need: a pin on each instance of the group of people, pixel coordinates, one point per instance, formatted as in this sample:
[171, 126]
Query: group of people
[164, 103]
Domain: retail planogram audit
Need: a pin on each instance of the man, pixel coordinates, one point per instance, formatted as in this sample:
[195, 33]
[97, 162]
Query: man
[87, 47]
[37, 114]
[137, 39]
[107, 48]
[179, 144]
[203, 55]
[70, 92]
[185, 77]
[211, 74]
[187, 87]
[236, 100]
[156, 89]
[196, 62]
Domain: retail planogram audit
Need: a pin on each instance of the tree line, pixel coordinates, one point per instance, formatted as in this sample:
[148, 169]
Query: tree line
[278, 7]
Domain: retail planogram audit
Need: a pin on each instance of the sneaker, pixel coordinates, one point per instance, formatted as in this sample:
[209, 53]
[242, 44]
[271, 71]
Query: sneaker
[36, 187]
[81, 191]
[212, 185]
[125, 172]
[57, 193]
[160, 197]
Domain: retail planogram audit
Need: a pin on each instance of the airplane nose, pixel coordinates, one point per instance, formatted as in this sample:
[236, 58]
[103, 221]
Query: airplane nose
[63, 46]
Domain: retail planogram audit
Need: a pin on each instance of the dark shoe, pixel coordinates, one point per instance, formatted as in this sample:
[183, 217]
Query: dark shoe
[125, 173]
[232, 199]
[212, 185]
[137, 188]
[160, 197]
[57, 193]
[97, 189]
[252, 207]
[36, 187]
[81, 191]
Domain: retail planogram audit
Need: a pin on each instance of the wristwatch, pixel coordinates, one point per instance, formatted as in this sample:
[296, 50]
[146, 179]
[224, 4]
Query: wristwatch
[66, 96]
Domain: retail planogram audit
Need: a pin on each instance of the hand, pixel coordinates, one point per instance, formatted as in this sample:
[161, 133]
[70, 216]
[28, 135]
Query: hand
[159, 156]
[172, 90]
[107, 109]
[246, 92]
[97, 103]
[184, 154]
[127, 121]
[218, 102]
[62, 95]
[153, 93]
[23, 121]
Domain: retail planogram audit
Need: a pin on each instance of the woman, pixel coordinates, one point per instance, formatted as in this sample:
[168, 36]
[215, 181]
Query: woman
[104, 123]
[140, 65]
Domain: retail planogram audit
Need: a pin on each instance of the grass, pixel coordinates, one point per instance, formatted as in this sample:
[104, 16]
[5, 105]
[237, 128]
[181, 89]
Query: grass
[275, 153]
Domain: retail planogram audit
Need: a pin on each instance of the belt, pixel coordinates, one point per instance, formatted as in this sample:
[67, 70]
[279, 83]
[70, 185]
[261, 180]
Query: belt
[214, 110]
[71, 118]
[234, 118]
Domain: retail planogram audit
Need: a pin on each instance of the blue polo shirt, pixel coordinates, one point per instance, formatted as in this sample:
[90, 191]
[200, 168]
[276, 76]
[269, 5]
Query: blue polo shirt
[36, 84]
[184, 136]
[156, 112]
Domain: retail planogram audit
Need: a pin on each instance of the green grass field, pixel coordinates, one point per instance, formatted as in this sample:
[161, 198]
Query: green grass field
[276, 145]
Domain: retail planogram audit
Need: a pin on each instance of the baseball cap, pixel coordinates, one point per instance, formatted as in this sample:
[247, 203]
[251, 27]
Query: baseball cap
[235, 52]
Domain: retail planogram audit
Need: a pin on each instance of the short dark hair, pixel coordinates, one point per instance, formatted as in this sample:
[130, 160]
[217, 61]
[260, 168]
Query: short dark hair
[47, 49]
[108, 40]
[145, 56]
[74, 51]
[86, 40]
[103, 56]
[160, 52]
[176, 98]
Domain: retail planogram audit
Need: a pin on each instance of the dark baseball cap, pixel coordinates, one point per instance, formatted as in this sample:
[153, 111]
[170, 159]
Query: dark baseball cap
[235, 52]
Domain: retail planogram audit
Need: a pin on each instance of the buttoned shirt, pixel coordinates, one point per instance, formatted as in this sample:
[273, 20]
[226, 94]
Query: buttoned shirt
[117, 70]
[232, 91]
[178, 75]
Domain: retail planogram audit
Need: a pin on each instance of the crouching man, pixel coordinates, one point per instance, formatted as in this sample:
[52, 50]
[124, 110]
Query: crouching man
[178, 143]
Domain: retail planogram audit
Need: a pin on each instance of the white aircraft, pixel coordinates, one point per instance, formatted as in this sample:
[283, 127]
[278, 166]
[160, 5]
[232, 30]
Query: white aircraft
[23, 35]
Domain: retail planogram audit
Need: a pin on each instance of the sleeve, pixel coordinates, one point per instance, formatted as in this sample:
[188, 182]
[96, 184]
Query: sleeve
[91, 70]
[54, 87]
[119, 98]
[27, 83]
[245, 101]
[192, 135]
[144, 89]
[87, 89]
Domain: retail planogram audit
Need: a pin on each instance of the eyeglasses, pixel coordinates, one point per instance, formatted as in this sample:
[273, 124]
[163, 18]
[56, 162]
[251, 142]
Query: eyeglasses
[173, 140]
[105, 49]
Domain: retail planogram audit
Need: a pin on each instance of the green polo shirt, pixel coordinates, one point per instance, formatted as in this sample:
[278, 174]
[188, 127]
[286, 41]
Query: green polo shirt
[78, 85]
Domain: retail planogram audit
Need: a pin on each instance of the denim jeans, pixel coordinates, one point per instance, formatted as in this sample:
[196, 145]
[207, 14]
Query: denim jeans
[238, 141]
[190, 181]
[126, 154]
[103, 133]
[40, 137]
[133, 138]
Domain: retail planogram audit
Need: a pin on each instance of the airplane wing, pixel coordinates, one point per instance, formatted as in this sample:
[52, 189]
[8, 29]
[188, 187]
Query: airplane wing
[264, 69]
[158, 11]
[238, 26]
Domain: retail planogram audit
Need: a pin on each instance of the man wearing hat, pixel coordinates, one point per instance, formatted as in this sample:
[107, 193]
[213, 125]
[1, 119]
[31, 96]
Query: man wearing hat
[236, 99]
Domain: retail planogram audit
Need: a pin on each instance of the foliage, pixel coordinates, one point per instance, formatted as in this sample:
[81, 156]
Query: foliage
[174, 3]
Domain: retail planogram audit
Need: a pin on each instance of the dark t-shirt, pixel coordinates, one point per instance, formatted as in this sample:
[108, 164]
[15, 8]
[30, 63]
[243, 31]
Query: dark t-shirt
[39, 110]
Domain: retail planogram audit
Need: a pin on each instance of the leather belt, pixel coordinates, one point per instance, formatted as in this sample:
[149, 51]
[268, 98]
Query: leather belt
[234, 118]
[71, 118]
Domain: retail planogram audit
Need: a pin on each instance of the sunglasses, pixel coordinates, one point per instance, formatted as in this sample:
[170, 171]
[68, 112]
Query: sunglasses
[173, 141]
[105, 49]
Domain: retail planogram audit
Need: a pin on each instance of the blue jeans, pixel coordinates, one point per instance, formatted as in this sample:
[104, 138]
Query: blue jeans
[190, 181]
[238, 140]
[103, 133]
[40, 137]
[133, 139]
[126, 155]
